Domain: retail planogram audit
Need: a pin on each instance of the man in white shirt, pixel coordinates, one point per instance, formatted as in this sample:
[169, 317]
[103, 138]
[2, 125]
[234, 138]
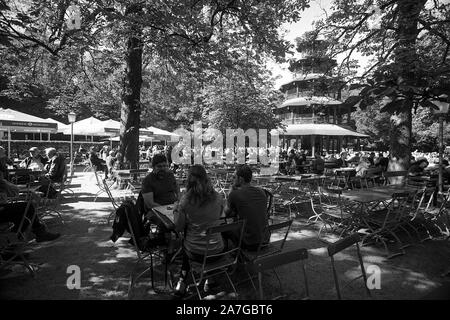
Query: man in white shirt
[35, 161]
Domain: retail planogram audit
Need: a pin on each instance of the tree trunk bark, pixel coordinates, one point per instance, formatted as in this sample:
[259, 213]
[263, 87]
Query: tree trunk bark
[131, 97]
[405, 57]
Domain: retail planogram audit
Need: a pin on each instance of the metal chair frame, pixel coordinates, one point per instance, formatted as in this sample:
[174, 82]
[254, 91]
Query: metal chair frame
[144, 256]
[266, 249]
[15, 243]
[222, 261]
[279, 259]
[339, 246]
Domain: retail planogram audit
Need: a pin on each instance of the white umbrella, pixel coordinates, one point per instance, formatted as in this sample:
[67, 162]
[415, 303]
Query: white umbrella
[12, 120]
[141, 139]
[87, 127]
[61, 126]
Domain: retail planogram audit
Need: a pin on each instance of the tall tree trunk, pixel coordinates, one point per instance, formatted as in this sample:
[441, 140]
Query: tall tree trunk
[130, 112]
[405, 63]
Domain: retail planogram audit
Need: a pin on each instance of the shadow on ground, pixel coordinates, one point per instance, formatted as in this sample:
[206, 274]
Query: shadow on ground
[105, 267]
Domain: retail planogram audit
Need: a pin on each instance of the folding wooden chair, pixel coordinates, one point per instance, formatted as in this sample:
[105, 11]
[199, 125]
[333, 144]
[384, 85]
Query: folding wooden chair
[339, 246]
[218, 263]
[278, 259]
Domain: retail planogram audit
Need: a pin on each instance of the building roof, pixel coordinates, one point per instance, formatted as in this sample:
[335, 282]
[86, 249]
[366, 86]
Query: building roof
[304, 101]
[305, 77]
[312, 129]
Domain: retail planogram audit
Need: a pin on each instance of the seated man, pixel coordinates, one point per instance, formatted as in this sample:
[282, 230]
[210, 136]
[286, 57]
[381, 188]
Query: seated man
[4, 163]
[13, 212]
[56, 168]
[110, 159]
[56, 165]
[160, 187]
[341, 162]
[97, 163]
[418, 167]
[249, 203]
[354, 159]
[382, 162]
[34, 161]
[318, 164]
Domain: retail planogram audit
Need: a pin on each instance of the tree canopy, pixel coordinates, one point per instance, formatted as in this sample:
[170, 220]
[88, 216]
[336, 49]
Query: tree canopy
[102, 65]
[409, 43]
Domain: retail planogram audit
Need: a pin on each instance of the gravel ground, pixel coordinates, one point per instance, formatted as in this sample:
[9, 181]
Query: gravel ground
[105, 266]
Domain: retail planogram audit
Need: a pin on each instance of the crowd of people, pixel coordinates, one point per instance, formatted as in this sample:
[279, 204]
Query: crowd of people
[200, 206]
[22, 214]
[297, 162]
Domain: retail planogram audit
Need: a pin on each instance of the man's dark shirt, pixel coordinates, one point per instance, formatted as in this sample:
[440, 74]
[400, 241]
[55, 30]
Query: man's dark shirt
[56, 167]
[95, 160]
[341, 163]
[416, 170]
[383, 163]
[4, 162]
[164, 187]
[250, 203]
[318, 165]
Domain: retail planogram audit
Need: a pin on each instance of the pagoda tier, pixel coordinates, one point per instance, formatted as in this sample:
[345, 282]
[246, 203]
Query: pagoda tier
[311, 84]
[315, 109]
[313, 64]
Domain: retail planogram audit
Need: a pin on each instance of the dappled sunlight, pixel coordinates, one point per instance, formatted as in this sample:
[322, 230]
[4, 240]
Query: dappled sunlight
[95, 279]
[105, 244]
[125, 253]
[106, 266]
[374, 259]
[322, 252]
[110, 261]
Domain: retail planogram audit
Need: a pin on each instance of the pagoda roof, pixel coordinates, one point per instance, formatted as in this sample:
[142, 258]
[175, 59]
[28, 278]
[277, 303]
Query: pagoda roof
[306, 77]
[314, 129]
[304, 101]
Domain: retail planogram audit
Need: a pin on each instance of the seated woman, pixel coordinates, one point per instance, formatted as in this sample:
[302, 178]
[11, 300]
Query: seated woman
[341, 161]
[13, 212]
[199, 209]
[362, 167]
